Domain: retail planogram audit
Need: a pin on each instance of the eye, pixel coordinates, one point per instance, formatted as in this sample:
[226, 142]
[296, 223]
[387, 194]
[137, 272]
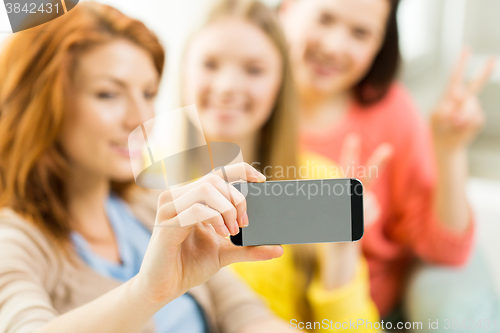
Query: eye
[326, 19]
[106, 95]
[254, 70]
[210, 64]
[150, 95]
[360, 33]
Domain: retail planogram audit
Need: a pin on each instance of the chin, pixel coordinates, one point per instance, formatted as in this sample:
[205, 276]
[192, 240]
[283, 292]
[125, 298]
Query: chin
[328, 86]
[122, 175]
[222, 136]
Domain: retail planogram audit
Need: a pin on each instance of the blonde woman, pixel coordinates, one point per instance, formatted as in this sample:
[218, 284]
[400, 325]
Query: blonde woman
[237, 73]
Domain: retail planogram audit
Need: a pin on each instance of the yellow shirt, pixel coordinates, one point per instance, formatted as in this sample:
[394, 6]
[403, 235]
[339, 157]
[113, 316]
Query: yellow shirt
[278, 282]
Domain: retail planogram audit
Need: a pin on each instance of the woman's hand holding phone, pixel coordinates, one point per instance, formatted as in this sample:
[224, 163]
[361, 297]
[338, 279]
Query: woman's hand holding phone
[189, 243]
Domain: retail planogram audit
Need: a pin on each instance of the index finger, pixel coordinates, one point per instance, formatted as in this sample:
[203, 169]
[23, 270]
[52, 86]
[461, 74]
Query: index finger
[239, 171]
[476, 85]
[349, 154]
[227, 174]
[458, 72]
[378, 160]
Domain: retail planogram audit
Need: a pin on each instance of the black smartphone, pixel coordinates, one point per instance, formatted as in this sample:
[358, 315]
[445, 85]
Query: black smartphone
[302, 211]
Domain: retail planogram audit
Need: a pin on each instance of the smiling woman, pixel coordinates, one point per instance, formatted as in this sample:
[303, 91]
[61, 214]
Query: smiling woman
[34, 145]
[81, 248]
[345, 55]
[237, 71]
[336, 45]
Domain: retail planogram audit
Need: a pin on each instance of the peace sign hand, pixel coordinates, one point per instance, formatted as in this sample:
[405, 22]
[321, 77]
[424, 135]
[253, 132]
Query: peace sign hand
[458, 117]
[339, 262]
[351, 168]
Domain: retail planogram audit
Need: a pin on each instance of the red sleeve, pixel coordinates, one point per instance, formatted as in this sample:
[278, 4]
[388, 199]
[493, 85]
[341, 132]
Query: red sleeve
[414, 184]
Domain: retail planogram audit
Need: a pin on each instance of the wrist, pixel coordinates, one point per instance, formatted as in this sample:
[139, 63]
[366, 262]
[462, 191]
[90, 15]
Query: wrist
[338, 265]
[139, 293]
[450, 154]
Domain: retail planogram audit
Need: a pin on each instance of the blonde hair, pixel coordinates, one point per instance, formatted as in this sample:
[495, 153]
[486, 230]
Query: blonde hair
[35, 73]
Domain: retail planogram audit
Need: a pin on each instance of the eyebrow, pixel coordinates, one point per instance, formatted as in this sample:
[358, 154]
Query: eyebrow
[356, 24]
[120, 82]
[112, 79]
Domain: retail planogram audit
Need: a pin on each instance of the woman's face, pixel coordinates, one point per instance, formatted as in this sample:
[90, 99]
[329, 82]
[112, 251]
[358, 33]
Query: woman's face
[113, 89]
[333, 43]
[233, 74]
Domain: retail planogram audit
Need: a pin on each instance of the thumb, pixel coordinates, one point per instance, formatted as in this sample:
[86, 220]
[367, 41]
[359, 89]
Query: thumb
[230, 254]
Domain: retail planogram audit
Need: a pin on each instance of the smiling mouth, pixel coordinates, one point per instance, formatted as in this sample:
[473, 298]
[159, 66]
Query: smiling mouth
[321, 67]
[324, 69]
[123, 149]
[226, 113]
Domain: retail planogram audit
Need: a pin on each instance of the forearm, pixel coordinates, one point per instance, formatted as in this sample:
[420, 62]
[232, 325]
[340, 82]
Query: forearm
[339, 263]
[124, 309]
[450, 201]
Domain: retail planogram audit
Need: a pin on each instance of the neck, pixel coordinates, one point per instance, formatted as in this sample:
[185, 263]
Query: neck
[319, 112]
[248, 147]
[87, 194]
[313, 103]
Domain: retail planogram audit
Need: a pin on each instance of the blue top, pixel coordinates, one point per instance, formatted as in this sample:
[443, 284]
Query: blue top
[179, 316]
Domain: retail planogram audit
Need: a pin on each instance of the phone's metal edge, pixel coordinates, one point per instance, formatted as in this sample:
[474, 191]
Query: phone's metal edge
[357, 224]
[290, 180]
[237, 239]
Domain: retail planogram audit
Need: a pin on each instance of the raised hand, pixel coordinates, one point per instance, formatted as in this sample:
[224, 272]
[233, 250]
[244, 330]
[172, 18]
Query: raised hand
[458, 117]
[189, 243]
[352, 168]
[340, 260]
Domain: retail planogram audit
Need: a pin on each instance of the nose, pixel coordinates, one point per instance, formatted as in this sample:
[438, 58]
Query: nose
[139, 110]
[228, 81]
[335, 41]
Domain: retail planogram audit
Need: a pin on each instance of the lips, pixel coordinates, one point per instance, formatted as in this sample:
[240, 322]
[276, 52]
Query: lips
[322, 66]
[325, 70]
[123, 150]
[226, 113]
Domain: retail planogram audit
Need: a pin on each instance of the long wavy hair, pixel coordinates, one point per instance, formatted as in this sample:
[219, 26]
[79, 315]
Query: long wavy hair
[35, 75]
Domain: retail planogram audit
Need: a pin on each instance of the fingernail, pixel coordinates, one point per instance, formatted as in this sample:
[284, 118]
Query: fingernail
[226, 231]
[259, 176]
[244, 219]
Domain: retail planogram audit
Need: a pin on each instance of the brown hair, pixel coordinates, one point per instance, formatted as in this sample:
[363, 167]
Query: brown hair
[278, 146]
[35, 73]
[376, 83]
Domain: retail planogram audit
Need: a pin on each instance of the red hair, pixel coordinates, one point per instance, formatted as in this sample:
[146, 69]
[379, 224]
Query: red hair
[35, 73]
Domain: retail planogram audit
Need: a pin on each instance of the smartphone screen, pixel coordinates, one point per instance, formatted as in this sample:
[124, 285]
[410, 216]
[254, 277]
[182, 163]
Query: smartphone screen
[302, 211]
